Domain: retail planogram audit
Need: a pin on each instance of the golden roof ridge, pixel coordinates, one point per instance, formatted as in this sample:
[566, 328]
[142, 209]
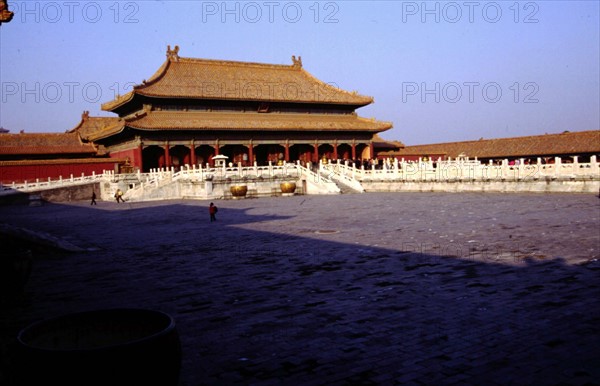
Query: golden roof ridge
[235, 63]
[186, 80]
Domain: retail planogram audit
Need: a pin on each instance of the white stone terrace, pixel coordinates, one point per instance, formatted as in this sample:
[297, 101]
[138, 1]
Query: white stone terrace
[330, 173]
[61, 182]
[464, 170]
[140, 184]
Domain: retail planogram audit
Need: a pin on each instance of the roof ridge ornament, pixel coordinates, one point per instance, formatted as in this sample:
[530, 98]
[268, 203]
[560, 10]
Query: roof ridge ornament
[297, 63]
[173, 54]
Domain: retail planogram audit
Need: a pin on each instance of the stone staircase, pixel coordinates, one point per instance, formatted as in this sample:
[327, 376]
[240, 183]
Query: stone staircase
[346, 184]
[345, 189]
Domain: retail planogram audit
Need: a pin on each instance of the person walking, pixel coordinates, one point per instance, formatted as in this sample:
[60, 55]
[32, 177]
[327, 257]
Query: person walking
[212, 210]
[93, 198]
[119, 196]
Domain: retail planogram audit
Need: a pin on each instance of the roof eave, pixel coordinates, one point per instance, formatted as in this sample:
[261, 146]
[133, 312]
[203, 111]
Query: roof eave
[365, 101]
[118, 102]
[107, 133]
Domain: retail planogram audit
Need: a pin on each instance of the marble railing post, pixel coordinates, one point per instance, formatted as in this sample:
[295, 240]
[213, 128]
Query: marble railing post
[475, 171]
[542, 168]
[594, 166]
[430, 169]
[521, 168]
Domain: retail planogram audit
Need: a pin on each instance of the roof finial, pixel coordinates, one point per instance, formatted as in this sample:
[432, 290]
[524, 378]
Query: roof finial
[173, 54]
[297, 63]
[85, 115]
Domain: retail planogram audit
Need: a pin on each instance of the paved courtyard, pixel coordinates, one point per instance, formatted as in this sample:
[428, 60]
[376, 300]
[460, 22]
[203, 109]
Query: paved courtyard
[424, 288]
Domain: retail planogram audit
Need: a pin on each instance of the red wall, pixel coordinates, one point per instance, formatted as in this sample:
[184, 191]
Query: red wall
[131, 154]
[20, 173]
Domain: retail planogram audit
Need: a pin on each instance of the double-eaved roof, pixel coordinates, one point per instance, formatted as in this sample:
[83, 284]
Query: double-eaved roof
[224, 81]
[245, 121]
[205, 79]
[581, 142]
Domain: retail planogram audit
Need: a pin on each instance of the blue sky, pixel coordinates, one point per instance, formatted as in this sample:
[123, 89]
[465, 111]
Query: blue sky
[439, 71]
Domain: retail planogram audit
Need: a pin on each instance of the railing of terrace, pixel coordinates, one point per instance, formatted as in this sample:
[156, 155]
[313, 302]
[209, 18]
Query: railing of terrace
[160, 177]
[449, 171]
[466, 170]
[37, 185]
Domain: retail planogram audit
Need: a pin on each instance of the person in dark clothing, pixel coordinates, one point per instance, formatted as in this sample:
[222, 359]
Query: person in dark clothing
[93, 198]
[119, 196]
[212, 210]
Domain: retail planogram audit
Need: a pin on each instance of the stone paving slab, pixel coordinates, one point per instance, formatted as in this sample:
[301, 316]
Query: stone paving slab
[338, 290]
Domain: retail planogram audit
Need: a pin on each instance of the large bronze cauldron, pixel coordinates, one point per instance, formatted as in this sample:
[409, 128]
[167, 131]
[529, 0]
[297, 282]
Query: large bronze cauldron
[238, 191]
[288, 188]
[104, 347]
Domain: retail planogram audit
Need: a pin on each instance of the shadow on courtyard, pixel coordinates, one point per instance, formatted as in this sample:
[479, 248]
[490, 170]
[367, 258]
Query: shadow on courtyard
[256, 307]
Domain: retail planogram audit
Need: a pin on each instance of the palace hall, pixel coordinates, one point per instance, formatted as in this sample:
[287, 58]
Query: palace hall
[192, 109]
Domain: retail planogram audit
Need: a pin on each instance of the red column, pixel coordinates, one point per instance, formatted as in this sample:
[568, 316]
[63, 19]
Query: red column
[372, 150]
[353, 151]
[335, 153]
[316, 153]
[287, 152]
[212, 161]
[137, 162]
[192, 154]
[250, 154]
[167, 156]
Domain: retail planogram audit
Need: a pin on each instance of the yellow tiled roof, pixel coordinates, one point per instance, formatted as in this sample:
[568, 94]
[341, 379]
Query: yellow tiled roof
[185, 120]
[44, 143]
[548, 144]
[381, 143]
[230, 80]
[90, 125]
